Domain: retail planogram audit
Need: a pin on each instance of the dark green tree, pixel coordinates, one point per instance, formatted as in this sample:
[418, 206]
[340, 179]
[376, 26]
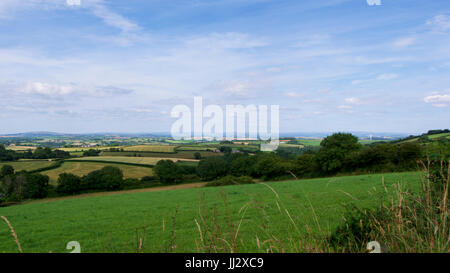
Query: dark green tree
[212, 167]
[167, 172]
[334, 149]
[68, 184]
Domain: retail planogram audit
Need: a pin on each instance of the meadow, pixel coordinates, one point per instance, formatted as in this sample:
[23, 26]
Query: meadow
[127, 159]
[28, 164]
[83, 168]
[253, 216]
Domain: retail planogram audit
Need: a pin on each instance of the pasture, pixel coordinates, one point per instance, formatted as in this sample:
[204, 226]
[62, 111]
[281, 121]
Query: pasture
[288, 211]
[83, 168]
[28, 164]
[127, 159]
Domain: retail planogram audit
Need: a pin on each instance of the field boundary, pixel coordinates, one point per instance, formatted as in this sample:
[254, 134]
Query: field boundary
[112, 162]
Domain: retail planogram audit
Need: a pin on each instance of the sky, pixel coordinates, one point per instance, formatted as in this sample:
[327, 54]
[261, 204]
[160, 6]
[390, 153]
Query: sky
[85, 66]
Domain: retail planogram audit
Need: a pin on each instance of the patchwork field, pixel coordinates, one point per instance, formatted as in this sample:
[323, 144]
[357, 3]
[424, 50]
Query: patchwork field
[135, 148]
[178, 155]
[28, 165]
[151, 148]
[287, 211]
[129, 159]
[83, 168]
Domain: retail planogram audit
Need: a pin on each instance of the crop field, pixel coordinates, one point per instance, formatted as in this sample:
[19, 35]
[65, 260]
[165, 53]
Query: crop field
[128, 159]
[178, 155]
[28, 165]
[21, 148]
[80, 149]
[151, 148]
[288, 211]
[83, 168]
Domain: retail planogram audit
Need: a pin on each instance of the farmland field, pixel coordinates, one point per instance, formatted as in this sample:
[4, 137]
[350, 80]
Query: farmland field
[83, 168]
[151, 148]
[28, 165]
[179, 155]
[108, 223]
[128, 159]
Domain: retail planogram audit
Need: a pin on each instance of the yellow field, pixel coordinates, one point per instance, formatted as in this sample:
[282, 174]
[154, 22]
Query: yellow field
[151, 148]
[79, 149]
[83, 168]
[20, 148]
[28, 165]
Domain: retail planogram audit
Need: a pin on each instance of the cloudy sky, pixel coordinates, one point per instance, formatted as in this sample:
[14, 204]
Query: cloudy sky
[121, 65]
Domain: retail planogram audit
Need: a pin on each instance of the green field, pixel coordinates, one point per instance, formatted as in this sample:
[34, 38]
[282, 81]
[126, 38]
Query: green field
[28, 165]
[179, 155]
[83, 168]
[109, 223]
[125, 159]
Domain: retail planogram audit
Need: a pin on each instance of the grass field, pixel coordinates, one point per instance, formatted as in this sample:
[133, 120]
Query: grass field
[129, 159]
[83, 168]
[179, 155]
[109, 223]
[28, 165]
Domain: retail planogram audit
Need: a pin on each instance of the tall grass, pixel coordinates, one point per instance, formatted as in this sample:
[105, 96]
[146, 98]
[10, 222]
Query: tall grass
[403, 222]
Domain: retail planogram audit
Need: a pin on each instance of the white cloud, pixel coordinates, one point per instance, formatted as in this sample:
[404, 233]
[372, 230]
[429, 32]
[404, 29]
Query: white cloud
[47, 89]
[404, 42]
[345, 107]
[113, 19]
[440, 23]
[438, 100]
[229, 40]
[354, 101]
[293, 94]
[385, 77]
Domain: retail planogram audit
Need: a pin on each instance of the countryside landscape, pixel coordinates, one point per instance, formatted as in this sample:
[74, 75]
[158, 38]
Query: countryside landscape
[239, 127]
[207, 196]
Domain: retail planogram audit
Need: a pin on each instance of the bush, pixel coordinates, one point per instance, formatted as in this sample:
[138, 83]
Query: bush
[36, 186]
[212, 167]
[91, 152]
[231, 180]
[168, 172]
[6, 170]
[108, 178]
[24, 185]
[68, 184]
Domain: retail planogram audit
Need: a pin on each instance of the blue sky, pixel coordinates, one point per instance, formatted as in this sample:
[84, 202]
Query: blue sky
[121, 65]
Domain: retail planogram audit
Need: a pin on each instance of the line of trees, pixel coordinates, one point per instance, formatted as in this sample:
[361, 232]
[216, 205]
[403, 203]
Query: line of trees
[38, 153]
[340, 153]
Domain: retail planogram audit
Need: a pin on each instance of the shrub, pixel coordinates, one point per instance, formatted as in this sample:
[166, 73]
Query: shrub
[91, 152]
[406, 223]
[168, 172]
[68, 184]
[231, 180]
[108, 178]
[212, 167]
[6, 170]
[36, 186]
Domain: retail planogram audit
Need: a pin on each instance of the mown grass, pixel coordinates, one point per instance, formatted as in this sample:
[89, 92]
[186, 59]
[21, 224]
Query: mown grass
[280, 210]
[28, 165]
[151, 148]
[83, 168]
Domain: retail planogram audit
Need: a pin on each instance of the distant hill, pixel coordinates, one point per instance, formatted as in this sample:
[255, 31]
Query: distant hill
[430, 136]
